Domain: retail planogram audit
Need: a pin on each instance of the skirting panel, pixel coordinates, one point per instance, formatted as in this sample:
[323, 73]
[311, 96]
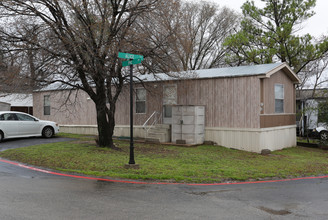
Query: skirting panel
[162, 133]
[253, 140]
[119, 131]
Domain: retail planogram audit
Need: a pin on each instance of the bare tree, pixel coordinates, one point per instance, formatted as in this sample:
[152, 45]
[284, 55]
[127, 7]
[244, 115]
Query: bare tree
[80, 40]
[10, 78]
[318, 70]
[186, 36]
[22, 64]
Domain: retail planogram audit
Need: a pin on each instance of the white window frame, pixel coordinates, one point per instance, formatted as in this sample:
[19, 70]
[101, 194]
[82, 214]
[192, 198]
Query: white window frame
[279, 98]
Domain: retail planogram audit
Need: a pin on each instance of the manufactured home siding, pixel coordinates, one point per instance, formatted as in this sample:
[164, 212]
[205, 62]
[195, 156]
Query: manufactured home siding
[154, 94]
[229, 102]
[66, 107]
[289, 93]
[268, 117]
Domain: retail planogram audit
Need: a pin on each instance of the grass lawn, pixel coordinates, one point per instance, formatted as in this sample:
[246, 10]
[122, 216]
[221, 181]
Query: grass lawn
[311, 140]
[171, 163]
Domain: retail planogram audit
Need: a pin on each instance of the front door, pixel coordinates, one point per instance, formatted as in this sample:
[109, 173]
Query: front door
[169, 99]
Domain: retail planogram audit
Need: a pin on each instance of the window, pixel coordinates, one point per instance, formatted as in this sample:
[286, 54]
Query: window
[168, 111]
[22, 117]
[170, 98]
[10, 117]
[279, 98]
[141, 100]
[46, 105]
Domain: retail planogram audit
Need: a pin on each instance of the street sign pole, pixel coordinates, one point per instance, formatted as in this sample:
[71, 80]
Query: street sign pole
[131, 161]
[132, 60]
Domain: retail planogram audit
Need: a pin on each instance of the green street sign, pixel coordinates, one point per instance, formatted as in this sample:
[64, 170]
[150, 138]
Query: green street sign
[129, 56]
[131, 62]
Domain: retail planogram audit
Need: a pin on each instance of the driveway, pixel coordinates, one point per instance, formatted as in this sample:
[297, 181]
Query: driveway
[25, 142]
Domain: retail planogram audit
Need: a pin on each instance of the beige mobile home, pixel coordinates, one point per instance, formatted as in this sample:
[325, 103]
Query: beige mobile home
[248, 107]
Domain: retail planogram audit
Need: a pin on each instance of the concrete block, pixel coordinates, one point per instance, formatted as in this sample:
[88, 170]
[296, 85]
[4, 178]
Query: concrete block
[180, 141]
[176, 136]
[152, 140]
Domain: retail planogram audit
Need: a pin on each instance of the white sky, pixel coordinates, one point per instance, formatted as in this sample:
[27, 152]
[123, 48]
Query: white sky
[316, 25]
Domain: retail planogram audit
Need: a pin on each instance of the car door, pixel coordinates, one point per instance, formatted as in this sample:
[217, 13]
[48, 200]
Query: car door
[29, 126]
[9, 124]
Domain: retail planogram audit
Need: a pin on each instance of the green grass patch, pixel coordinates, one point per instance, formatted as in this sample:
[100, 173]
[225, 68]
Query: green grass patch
[310, 140]
[202, 164]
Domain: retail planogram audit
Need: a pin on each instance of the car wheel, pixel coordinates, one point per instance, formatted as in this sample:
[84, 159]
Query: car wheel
[324, 135]
[1, 136]
[47, 132]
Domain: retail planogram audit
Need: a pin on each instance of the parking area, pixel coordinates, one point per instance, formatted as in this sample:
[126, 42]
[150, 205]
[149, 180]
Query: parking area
[25, 142]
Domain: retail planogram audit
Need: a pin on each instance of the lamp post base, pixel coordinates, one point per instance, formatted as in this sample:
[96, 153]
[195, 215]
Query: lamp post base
[131, 166]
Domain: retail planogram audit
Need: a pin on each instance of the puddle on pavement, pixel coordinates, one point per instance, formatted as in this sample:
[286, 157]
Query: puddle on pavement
[212, 192]
[275, 212]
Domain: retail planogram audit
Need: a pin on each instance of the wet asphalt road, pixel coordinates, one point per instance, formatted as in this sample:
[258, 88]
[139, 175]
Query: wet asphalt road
[28, 194]
[25, 142]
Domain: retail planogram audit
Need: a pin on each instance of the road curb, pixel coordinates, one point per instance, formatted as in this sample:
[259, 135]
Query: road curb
[155, 183]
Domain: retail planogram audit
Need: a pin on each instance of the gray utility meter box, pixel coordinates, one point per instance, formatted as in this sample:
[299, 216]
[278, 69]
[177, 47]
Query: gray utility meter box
[188, 124]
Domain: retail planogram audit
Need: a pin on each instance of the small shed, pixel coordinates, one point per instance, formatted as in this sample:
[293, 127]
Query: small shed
[4, 106]
[18, 101]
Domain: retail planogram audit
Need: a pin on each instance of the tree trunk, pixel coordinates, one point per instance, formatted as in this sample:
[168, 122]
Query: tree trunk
[111, 123]
[104, 132]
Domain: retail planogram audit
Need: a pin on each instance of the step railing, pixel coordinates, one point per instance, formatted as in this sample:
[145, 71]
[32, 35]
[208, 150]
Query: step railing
[152, 121]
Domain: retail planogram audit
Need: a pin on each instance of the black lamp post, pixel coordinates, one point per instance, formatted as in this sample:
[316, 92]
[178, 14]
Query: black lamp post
[133, 59]
[131, 161]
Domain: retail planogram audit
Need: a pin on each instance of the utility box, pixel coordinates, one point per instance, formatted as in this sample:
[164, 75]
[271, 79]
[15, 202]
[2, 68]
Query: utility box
[188, 124]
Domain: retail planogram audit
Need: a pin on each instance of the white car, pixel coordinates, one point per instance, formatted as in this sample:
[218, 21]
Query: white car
[18, 124]
[322, 131]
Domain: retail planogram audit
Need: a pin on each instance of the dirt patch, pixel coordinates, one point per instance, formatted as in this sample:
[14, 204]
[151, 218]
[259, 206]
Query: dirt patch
[155, 149]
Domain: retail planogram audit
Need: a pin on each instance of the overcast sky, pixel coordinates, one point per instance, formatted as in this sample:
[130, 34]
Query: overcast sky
[316, 26]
